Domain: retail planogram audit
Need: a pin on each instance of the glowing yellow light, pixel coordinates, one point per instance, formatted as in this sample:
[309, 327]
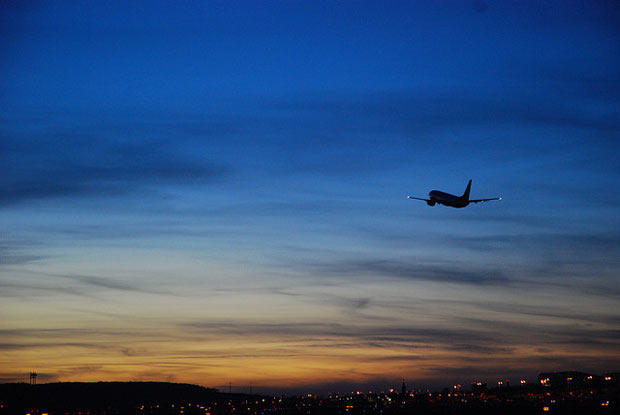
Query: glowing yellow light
[607, 377]
[545, 409]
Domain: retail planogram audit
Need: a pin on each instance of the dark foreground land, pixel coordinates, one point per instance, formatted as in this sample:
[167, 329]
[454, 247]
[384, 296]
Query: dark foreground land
[174, 398]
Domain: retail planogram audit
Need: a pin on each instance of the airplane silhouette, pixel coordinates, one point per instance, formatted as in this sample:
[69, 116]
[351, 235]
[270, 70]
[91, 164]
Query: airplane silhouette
[442, 198]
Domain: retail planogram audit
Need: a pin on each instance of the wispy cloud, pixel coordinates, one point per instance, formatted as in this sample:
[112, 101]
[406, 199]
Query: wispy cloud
[404, 268]
[83, 163]
[334, 135]
[14, 252]
[106, 282]
[88, 286]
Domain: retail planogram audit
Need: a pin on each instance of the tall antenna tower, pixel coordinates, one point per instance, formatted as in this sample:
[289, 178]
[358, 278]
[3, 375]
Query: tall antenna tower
[33, 378]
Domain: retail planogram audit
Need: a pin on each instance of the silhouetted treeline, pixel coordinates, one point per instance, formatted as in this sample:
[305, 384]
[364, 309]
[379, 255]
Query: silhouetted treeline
[100, 395]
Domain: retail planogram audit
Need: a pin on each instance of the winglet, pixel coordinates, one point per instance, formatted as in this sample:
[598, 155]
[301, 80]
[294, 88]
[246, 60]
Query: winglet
[466, 194]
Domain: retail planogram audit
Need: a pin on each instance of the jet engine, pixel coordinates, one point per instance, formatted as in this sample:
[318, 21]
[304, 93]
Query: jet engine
[430, 203]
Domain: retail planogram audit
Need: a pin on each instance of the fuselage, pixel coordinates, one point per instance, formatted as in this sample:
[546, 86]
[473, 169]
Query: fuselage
[447, 199]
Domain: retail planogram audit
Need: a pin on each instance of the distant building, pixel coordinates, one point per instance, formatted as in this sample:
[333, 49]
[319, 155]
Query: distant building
[566, 379]
[479, 387]
[611, 378]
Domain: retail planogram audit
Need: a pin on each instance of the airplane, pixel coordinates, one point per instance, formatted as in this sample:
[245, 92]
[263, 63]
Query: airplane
[446, 199]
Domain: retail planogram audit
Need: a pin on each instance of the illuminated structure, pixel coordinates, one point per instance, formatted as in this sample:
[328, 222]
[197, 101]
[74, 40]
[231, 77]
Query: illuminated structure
[479, 387]
[564, 379]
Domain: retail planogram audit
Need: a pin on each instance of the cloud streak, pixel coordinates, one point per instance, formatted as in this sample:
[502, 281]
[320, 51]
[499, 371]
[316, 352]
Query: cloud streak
[58, 167]
[405, 269]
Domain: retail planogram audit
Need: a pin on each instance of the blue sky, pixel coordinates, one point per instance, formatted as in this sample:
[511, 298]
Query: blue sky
[223, 184]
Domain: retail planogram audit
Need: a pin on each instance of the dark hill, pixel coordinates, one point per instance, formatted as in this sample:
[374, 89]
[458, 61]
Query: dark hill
[74, 395]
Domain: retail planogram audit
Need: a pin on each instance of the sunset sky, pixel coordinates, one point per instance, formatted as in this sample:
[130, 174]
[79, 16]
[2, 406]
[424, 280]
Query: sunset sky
[214, 192]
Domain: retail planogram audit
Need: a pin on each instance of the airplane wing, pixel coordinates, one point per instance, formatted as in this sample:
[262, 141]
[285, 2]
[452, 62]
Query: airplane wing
[418, 198]
[484, 200]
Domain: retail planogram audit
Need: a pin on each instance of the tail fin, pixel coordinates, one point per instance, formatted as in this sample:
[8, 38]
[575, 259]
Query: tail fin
[466, 194]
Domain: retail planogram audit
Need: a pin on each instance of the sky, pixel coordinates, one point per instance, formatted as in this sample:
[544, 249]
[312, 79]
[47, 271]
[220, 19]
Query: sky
[215, 192]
